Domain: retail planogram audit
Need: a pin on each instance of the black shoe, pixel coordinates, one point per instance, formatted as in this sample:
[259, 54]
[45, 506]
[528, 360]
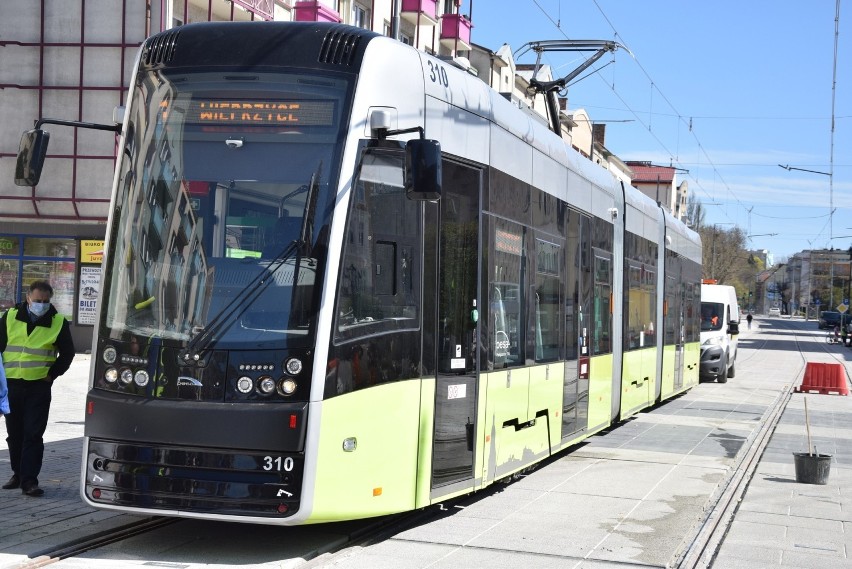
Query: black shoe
[33, 491]
[14, 482]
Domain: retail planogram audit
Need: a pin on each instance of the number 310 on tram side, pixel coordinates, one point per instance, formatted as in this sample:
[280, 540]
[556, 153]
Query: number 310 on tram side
[345, 279]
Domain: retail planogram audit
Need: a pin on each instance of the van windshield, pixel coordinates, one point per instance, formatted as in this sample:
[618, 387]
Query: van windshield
[712, 316]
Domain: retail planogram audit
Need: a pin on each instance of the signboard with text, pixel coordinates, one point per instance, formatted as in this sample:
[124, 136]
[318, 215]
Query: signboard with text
[91, 251]
[90, 282]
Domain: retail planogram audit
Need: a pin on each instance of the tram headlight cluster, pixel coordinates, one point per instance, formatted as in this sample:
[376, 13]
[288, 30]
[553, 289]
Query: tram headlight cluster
[266, 384]
[119, 371]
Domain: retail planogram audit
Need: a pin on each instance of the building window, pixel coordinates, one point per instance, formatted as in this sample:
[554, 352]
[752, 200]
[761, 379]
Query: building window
[360, 16]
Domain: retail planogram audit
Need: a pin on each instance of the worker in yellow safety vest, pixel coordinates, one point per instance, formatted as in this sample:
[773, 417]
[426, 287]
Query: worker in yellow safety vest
[37, 348]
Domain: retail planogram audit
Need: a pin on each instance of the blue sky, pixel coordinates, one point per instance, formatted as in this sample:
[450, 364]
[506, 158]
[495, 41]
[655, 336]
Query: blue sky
[727, 90]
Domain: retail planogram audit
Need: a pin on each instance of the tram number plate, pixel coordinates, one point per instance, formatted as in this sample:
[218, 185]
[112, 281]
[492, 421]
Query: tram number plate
[278, 463]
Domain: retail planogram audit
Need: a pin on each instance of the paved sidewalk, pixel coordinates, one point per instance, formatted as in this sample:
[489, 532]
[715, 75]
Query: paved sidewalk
[624, 499]
[781, 523]
[31, 525]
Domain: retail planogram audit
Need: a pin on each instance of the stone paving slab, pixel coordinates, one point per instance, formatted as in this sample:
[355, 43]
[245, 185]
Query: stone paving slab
[625, 498]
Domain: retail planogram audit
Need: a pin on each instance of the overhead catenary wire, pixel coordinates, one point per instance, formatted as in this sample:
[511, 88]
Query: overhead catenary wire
[687, 122]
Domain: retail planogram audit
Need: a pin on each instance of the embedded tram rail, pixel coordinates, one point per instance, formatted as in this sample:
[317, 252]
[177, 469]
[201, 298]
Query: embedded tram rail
[616, 489]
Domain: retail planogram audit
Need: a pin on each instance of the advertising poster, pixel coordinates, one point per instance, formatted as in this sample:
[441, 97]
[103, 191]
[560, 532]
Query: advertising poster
[91, 251]
[90, 282]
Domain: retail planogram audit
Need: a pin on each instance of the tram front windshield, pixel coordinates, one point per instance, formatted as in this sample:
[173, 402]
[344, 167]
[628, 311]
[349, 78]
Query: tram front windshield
[223, 190]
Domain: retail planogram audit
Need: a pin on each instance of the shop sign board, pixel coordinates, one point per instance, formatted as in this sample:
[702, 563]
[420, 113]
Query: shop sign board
[90, 283]
[91, 251]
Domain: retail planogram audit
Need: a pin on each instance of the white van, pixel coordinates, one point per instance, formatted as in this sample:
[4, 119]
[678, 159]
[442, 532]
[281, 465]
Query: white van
[720, 327]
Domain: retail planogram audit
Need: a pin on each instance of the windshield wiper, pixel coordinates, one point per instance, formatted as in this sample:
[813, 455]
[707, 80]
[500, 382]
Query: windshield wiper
[300, 248]
[227, 317]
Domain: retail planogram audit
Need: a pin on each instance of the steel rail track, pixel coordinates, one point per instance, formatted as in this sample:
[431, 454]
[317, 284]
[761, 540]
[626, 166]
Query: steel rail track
[699, 551]
[711, 531]
[81, 545]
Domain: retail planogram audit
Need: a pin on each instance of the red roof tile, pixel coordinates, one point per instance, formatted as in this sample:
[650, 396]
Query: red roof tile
[646, 173]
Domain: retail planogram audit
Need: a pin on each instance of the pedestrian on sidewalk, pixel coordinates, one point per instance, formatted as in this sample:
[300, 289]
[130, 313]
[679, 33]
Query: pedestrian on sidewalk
[749, 318]
[37, 347]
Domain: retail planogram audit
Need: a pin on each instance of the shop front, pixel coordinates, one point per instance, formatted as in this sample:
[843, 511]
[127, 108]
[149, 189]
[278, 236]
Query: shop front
[70, 263]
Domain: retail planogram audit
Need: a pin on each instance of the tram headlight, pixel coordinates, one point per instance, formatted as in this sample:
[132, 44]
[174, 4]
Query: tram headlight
[286, 386]
[111, 375]
[126, 376]
[293, 366]
[266, 385]
[245, 384]
[109, 355]
[140, 378]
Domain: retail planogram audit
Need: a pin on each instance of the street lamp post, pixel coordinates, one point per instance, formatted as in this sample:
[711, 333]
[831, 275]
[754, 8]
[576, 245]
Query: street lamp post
[830, 175]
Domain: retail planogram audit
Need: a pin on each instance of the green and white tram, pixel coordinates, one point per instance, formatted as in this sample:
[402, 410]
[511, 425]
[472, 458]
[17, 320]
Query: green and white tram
[345, 279]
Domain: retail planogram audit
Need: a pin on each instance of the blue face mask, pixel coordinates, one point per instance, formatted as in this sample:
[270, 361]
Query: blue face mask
[39, 308]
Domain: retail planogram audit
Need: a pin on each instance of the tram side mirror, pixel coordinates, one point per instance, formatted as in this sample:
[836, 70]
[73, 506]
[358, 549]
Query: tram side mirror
[31, 155]
[423, 170]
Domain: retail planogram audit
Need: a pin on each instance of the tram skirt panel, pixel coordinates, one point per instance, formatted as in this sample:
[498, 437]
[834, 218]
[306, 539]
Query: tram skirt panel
[378, 477]
[600, 392]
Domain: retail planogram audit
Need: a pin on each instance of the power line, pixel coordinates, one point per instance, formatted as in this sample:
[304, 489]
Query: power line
[688, 124]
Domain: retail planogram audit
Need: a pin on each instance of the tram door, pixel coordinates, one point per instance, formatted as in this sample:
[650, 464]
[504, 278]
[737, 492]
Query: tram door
[680, 331]
[457, 325]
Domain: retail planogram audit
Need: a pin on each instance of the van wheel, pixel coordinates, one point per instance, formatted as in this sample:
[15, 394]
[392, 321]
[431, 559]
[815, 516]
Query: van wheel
[732, 370]
[723, 377]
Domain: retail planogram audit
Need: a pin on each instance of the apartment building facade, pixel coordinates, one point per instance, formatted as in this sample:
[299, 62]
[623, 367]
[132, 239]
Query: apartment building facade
[72, 60]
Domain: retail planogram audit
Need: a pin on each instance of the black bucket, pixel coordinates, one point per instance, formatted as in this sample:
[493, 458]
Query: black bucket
[812, 468]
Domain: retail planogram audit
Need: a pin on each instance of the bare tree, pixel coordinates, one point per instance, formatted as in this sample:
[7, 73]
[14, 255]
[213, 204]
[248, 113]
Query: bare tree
[694, 212]
[723, 253]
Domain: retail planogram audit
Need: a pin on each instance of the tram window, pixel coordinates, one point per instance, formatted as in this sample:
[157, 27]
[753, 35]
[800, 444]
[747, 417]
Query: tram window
[376, 290]
[508, 332]
[548, 301]
[602, 317]
[640, 292]
[634, 313]
[573, 312]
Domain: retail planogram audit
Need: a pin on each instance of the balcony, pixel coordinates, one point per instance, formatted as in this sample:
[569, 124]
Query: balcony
[262, 8]
[455, 32]
[315, 11]
[420, 12]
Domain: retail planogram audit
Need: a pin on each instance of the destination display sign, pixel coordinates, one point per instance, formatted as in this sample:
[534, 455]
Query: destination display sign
[256, 112]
